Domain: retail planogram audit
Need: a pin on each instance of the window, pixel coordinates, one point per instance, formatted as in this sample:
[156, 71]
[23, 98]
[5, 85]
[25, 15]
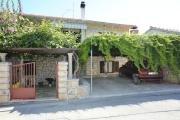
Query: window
[109, 67]
[76, 32]
[102, 66]
[115, 66]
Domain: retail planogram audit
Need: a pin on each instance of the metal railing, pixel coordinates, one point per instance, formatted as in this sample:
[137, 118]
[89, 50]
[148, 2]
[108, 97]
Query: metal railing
[23, 75]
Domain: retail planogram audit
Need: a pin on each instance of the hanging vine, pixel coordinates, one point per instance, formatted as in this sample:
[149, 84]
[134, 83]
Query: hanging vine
[156, 50]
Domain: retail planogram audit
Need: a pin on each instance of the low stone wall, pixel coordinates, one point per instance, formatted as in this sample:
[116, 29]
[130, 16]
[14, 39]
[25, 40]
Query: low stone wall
[96, 66]
[169, 76]
[67, 88]
[4, 82]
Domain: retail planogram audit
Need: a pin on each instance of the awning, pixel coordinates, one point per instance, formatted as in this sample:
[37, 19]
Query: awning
[39, 50]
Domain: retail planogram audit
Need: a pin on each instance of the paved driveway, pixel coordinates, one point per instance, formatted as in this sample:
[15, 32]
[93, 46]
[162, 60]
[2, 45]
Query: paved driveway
[124, 86]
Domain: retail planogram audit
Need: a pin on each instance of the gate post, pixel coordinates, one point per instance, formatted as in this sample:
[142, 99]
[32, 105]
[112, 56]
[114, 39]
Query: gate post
[62, 80]
[4, 82]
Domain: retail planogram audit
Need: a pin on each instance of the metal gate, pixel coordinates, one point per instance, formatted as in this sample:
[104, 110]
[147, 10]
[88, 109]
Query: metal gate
[22, 82]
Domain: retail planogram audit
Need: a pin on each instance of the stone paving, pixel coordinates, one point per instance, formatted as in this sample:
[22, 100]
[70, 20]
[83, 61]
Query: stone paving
[46, 92]
[118, 86]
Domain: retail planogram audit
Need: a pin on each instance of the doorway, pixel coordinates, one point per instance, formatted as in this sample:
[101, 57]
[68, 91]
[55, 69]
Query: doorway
[46, 79]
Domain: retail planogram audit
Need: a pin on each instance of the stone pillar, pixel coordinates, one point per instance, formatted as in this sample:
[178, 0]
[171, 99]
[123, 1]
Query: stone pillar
[67, 88]
[62, 80]
[4, 82]
[70, 65]
[72, 87]
[3, 56]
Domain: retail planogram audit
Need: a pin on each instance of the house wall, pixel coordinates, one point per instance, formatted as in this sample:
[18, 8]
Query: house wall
[94, 28]
[169, 76]
[89, 28]
[96, 66]
[155, 32]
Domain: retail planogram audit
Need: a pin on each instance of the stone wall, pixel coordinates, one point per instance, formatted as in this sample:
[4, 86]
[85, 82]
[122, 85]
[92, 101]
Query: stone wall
[68, 88]
[96, 66]
[4, 82]
[46, 68]
[169, 76]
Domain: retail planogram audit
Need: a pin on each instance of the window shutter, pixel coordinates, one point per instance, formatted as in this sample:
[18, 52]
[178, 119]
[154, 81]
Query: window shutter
[115, 66]
[102, 66]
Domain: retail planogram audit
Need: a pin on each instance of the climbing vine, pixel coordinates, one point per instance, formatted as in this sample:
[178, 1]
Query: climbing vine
[147, 51]
[17, 31]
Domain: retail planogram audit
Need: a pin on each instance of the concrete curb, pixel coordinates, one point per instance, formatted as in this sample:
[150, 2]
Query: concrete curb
[147, 93]
[49, 101]
[24, 102]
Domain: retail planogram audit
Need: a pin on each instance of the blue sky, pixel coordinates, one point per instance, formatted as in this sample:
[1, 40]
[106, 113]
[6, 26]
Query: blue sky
[143, 13]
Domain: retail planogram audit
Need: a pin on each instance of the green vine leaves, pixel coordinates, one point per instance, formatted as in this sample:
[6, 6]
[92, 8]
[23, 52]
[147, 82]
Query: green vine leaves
[156, 50]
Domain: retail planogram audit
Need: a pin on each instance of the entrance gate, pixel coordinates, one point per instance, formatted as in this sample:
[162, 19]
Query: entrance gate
[22, 82]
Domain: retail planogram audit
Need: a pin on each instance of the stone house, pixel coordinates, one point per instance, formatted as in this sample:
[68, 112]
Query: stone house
[86, 28]
[45, 67]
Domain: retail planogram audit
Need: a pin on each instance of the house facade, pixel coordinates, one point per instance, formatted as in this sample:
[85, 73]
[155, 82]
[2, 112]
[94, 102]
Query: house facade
[25, 75]
[86, 28]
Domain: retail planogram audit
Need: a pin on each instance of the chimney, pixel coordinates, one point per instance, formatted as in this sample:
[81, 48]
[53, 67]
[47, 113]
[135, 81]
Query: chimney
[82, 6]
[134, 30]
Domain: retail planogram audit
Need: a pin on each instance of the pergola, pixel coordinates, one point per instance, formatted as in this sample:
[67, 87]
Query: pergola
[51, 51]
[39, 50]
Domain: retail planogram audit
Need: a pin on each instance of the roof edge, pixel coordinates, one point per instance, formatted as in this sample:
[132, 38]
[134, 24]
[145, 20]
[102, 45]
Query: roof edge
[64, 18]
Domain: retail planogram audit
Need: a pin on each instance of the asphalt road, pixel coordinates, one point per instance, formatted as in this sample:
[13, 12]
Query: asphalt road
[146, 107]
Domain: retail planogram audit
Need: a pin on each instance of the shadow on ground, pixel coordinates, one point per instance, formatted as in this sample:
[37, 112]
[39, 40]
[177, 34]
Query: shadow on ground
[86, 104]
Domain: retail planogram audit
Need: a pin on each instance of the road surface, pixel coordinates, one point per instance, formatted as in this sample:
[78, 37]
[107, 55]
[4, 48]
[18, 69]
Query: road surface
[146, 107]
